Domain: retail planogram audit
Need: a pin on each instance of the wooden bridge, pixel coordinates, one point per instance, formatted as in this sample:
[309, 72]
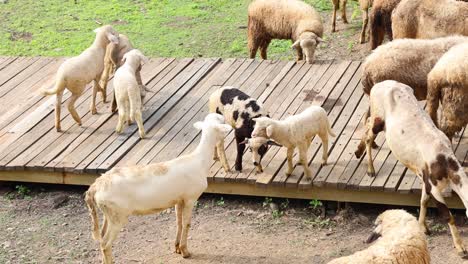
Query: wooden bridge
[32, 151]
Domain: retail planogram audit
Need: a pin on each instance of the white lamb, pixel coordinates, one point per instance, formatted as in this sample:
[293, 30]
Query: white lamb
[127, 91]
[294, 131]
[78, 71]
[399, 240]
[141, 190]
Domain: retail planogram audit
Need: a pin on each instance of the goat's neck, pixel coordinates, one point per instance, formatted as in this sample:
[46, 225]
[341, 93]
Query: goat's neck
[205, 148]
[100, 41]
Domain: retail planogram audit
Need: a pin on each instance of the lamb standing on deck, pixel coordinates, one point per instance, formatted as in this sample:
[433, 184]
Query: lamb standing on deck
[142, 190]
[296, 131]
[284, 19]
[127, 91]
[419, 145]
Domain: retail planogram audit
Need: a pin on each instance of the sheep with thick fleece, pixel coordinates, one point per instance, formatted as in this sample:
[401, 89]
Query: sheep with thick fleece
[142, 190]
[284, 19]
[418, 144]
[448, 82]
[78, 71]
[427, 19]
[113, 60]
[238, 110]
[296, 131]
[399, 239]
[127, 91]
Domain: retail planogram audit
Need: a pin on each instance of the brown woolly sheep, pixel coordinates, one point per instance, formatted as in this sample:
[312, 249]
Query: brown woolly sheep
[363, 4]
[424, 19]
[448, 82]
[282, 19]
[381, 21]
[399, 240]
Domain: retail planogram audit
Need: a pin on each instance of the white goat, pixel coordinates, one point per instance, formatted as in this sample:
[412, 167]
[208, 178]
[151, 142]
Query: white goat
[141, 190]
[78, 71]
[419, 145]
[399, 240]
[127, 91]
[294, 131]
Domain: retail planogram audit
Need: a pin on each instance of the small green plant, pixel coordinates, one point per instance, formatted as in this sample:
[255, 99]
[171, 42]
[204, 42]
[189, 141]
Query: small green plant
[350, 45]
[220, 202]
[267, 202]
[438, 228]
[277, 214]
[284, 204]
[319, 222]
[314, 204]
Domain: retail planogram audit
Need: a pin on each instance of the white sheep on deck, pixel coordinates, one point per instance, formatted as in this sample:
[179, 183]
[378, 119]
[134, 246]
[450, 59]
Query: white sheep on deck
[142, 190]
[294, 131]
[399, 240]
[127, 91]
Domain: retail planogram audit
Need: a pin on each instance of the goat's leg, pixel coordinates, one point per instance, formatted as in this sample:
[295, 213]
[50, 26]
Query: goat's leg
[240, 150]
[324, 138]
[290, 154]
[365, 21]
[343, 11]
[219, 151]
[303, 159]
[139, 121]
[186, 220]
[253, 46]
[179, 209]
[93, 99]
[425, 197]
[71, 108]
[114, 103]
[445, 212]
[336, 5]
[58, 108]
[104, 226]
[370, 163]
[299, 54]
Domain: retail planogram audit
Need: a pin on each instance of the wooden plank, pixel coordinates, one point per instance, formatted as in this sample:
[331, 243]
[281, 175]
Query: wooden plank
[14, 69]
[106, 133]
[118, 152]
[144, 149]
[7, 61]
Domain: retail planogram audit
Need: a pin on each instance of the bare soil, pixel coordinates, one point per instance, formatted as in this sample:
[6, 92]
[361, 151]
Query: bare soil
[50, 224]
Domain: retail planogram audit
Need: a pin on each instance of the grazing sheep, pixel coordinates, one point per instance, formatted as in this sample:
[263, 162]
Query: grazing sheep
[113, 60]
[448, 82]
[423, 19]
[238, 110]
[399, 239]
[381, 21]
[142, 190]
[78, 71]
[363, 4]
[284, 19]
[296, 131]
[419, 145]
[127, 91]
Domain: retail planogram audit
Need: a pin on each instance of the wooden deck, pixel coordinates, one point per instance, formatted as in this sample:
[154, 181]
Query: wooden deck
[32, 151]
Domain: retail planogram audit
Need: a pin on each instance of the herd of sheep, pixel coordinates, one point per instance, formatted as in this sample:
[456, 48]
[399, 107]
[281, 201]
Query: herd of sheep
[428, 60]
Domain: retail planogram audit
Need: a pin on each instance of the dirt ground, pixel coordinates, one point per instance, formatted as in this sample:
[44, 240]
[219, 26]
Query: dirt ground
[50, 224]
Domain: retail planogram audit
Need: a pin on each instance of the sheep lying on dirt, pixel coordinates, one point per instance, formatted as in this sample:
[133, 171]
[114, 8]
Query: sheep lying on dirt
[419, 145]
[113, 60]
[238, 110]
[284, 19]
[448, 82]
[363, 4]
[142, 190]
[399, 239]
[127, 91]
[425, 19]
[78, 71]
[296, 131]
[381, 21]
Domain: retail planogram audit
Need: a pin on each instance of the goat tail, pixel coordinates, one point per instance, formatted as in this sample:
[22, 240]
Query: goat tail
[91, 203]
[58, 88]
[330, 131]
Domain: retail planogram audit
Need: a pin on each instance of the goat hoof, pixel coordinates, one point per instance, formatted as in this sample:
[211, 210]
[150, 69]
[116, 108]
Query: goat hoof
[374, 145]
[186, 254]
[358, 154]
[324, 163]
[371, 173]
[463, 254]
[59, 129]
[93, 111]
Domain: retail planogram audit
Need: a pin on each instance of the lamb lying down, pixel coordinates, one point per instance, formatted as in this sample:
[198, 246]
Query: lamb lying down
[294, 131]
[400, 239]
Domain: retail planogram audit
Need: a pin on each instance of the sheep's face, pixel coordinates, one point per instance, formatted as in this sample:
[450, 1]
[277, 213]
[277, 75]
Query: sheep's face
[213, 125]
[307, 42]
[135, 58]
[391, 221]
[260, 128]
[109, 32]
[258, 146]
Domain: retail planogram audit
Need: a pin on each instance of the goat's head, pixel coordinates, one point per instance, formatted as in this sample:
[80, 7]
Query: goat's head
[135, 58]
[262, 127]
[258, 146]
[391, 221]
[308, 42]
[213, 126]
[109, 32]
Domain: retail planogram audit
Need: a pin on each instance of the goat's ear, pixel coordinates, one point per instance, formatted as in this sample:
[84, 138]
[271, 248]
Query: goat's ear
[320, 40]
[245, 142]
[376, 233]
[272, 143]
[97, 30]
[113, 38]
[198, 125]
[124, 58]
[269, 131]
[224, 128]
[296, 44]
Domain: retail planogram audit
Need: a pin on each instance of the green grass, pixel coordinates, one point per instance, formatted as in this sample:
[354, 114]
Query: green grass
[166, 28]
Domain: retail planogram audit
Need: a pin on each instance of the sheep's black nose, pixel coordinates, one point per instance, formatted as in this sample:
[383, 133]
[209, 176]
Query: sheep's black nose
[255, 163]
